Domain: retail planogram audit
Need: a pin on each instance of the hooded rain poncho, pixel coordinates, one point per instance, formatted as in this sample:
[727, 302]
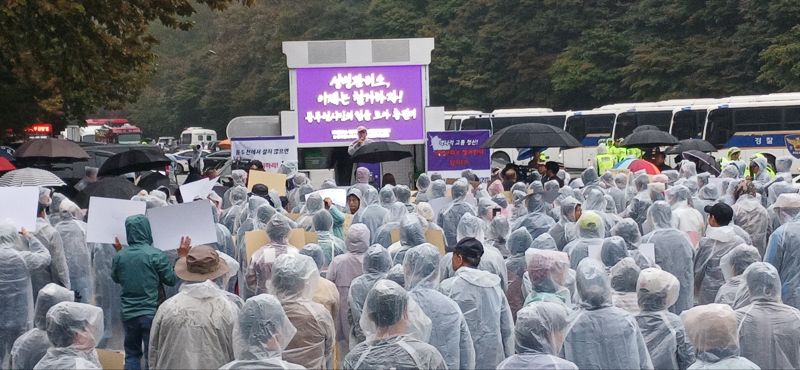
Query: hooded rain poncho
[600, 335]
[73, 329]
[712, 330]
[376, 265]
[342, 271]
[30, 347]
[538, 337]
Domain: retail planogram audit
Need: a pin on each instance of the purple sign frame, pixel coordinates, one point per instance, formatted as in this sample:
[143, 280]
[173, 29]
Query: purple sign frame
[333, 102]
[458, 150]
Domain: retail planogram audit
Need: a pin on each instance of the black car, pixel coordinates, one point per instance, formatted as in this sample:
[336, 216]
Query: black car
[217, 159]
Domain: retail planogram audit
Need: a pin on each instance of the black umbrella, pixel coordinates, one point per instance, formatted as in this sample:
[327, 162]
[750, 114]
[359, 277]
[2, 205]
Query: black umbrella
[152, 181]
[108, 187]
[380, 151]
[49, 151]
[134, 161]
[647, 136]
[692, 144]
[704, 162]
[528, 135]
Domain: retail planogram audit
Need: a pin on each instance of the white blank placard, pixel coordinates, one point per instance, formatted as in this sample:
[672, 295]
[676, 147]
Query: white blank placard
[194, 220]
[338, 196]
[107, 219]
[648, 250]
[19, 205]
[200, 188]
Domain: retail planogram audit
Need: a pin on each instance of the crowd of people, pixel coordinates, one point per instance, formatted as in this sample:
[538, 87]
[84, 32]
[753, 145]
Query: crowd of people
[680, 270]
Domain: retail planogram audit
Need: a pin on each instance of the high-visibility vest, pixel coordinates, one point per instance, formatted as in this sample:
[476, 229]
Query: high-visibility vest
[635, 152]
[604, 162]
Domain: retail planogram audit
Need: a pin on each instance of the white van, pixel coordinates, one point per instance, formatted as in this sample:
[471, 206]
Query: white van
[198, 136]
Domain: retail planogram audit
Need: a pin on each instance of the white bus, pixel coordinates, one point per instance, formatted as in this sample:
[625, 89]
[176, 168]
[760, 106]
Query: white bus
[754, 127]
[502, 118]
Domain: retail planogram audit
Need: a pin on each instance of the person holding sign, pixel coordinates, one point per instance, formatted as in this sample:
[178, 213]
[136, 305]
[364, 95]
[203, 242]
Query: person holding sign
[140, 269]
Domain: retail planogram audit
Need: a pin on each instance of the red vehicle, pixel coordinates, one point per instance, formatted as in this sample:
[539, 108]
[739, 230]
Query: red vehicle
[124, 134]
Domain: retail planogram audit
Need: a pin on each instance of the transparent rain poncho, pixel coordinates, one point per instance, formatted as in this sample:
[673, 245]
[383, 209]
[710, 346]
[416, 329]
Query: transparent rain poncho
[688, 169]
[518, 209]
[79, 258]
[15, 286]
[373, 215]
[708, 274]
[403, 195]
[637, 209]
[313, 204]
[376, 265]
[565, 230]
[762, 177]
[600, 335]
[547, 273]
[330, 244]
[733, 265]
[624, 275]
[497, 234]
[438, 190]
[297, 197]
[238, 199]
[595, 200]
[30, 347]
[449, 332]
[212, 314]
[674, 253]
[74, 330]
[392, 343]
[485, 307]
[662, 330]
[751, 216]
[536, 221]
[707, 196]
[518, 242]
[769, 331]
[628, 230]
[107, 295]
[423, 183]
[412, 234]
[450, 216]
[492, 260]
[684, 217]
[539, 335]
[341, 272]
[260, 334]
[784, 211]
[383, 235]
[247, 219]
[712, 330]
[590, 233]
[613, 251]
[259, 271]
[590, 178]
[57, 271]
[293, 283]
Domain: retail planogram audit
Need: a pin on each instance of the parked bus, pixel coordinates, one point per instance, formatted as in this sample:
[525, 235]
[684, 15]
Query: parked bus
[755, 127]
[589, 127]
[502, 118]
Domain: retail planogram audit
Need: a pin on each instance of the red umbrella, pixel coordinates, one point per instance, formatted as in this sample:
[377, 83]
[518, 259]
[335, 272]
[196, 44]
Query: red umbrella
[5, 165]
[641, 164]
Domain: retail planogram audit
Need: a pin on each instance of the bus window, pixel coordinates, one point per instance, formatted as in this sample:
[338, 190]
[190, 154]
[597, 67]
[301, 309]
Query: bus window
[688, 124]
[720, 127]
[476, 124]
[451, 124]
[626, 123]
[208, 137]
[629, 121]
[576, 126]
[186, 139]
[557, 121]
[499, 123]
[760, 119]
[199, 137]
[791, 119]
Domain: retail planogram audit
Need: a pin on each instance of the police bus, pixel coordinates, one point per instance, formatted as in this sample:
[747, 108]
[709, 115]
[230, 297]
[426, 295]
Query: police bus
[500, 119]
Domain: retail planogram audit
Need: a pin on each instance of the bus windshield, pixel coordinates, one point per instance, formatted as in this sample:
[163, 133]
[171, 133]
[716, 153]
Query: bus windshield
[688, 124]
[595, 125]
[628, 121]
[129, 138]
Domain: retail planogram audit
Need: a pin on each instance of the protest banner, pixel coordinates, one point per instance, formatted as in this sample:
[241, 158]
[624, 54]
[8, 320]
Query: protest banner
[194, 220]
[269, 150]
[273, 181]
[107, 219]
[450, 152]
[19, 206]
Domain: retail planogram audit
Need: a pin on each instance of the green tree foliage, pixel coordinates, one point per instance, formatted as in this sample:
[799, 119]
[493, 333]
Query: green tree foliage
[564, 54]
[61, 60]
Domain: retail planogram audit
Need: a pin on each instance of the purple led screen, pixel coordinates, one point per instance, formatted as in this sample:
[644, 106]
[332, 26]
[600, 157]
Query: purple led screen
[333, 102]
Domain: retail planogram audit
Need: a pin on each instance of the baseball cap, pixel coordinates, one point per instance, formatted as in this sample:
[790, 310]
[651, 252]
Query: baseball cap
[722, 212]
[469, 247]
[361, 128]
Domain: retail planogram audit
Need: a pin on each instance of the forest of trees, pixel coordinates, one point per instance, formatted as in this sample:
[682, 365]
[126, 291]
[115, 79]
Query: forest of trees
[563, 54]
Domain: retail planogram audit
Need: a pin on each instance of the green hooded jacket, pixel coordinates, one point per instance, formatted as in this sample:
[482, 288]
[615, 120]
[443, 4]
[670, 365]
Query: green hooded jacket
[140, 268]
